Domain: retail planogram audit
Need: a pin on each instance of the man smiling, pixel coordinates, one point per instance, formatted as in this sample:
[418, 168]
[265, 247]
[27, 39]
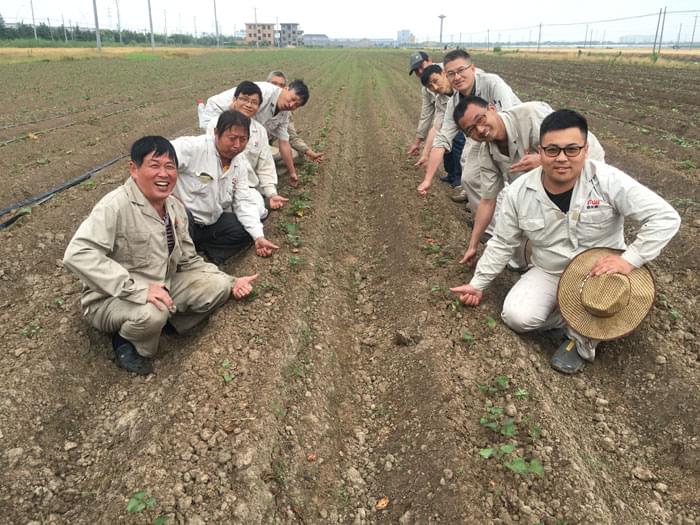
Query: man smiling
[138, 265]
[563, 208]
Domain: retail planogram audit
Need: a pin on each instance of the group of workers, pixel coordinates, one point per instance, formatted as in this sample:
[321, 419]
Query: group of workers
[545, 204]
[542, 198]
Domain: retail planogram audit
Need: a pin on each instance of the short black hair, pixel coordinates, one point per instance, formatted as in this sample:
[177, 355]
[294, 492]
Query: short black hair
[231, 118]
[301, 89]
[152, 144]
[430, 70]
[461, 108]
[564, 119]
[248, 88]
[455, 54]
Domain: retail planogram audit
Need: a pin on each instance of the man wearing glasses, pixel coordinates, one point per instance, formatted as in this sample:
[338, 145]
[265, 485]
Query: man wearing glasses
[564, 207]
[273, 114]
[509, 141]
[466, 80]
[263, 177]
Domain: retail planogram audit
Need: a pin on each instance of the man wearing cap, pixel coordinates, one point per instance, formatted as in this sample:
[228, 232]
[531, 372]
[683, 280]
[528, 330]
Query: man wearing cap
[273, 114]
[509, 141]
[565, 207]
[300, 148]
[466, 80]
[137, 263]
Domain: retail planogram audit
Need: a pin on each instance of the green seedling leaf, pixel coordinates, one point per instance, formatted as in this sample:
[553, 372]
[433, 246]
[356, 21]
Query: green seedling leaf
[42, 161]
[536, 467]
[496, 411]
[535, 432]
[467, 337]
[228, 378]
[435, 288]
[521, 393]
[226, 364]
[136, 503]
[674, 314]
[502, 382]
[150, 502]
[508, 429]
[491, 322]
[518, 465]
[487, 452]
[507, 449]
[432, 248]
[161, 520]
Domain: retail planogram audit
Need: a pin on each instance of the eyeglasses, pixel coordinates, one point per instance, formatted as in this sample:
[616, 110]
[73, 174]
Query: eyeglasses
[461, 71]
[248, 101]
[478, 121]
[552, 150]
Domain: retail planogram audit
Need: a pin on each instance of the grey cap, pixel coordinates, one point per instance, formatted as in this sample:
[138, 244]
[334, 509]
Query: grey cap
[416, 60]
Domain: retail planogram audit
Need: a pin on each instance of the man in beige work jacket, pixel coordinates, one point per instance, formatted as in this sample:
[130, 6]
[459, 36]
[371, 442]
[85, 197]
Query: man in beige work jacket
[137, 262]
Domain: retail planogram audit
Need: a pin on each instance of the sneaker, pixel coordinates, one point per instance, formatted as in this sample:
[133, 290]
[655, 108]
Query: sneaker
[456, 182]
[566, 359]
[128, 358]
[460, 196]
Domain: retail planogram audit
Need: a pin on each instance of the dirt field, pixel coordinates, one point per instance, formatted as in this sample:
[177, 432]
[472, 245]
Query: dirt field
[352, 376]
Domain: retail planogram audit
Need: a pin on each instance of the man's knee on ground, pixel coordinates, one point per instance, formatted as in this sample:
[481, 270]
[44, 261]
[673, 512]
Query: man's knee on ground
[519, 318]
[150, 320]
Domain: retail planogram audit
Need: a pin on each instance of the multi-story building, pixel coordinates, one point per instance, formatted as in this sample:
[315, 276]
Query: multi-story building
[404, 37]
[262, 34]
[290, 35]
[316, 40]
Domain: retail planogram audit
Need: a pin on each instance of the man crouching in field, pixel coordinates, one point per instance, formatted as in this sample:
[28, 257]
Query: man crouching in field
[137, 262]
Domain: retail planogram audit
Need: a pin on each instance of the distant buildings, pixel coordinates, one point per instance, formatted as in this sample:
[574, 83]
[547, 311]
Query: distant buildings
[318, 40]
[636, 39]
[404, 37]
[260, 34]
[290, 35]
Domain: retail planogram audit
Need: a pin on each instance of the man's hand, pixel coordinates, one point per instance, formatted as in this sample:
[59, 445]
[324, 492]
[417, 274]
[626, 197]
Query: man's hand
[313, 156]
[468, 294]
[413, 148]
[611, 264]
[264, 248]
[159, 297]
[422, 161]
[294, 179]
[527, 163]
[424, 186]
[469, 257]
[277, 201]
[243, 286]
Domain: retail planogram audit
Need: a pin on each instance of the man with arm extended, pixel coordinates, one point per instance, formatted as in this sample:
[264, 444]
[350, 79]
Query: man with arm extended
[466, 80]
[214, 187]
[137, 262]
[273, 114]
[565, 207]
[299, 147]
[263, 177]
[435, 81]
[417, 63]
[509, 140]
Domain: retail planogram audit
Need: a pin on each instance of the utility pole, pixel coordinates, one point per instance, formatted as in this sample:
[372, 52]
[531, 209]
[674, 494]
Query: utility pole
[539, 37]
[442, 18]
[195, 28]
[31, 3]
[692, 38]
[488, 43]
[255, 19]
[656, 35]
[48, 24]
[585, 38]
[661, 37]
[216, 23]
[165, 23]
[678, 40]
[119, 22]
[97, 26]
[150, 22]
[65, 33]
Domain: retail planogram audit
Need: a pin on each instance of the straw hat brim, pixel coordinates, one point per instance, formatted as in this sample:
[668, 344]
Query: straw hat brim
[642, 293]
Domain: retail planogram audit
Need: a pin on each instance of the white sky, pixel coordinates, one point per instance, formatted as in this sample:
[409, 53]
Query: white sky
[375, 19]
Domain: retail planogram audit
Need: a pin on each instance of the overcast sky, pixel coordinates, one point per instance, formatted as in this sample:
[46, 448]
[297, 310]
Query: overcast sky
[375, 19]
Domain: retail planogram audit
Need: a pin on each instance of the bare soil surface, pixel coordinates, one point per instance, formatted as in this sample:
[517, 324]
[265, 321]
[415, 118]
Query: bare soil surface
[351, 388]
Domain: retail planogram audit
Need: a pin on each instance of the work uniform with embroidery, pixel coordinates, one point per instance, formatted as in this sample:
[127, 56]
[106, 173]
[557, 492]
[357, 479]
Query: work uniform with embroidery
[493, 90]
[122, 248]
[209, 189]
[600, 201]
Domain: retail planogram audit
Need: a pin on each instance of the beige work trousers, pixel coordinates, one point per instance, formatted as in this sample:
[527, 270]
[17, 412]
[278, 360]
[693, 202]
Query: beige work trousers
[532, 305]
[471, 179]
[195, 293]
[279, 163]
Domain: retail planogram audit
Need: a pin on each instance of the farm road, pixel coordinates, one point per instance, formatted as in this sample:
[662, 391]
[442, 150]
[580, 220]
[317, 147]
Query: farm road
[354, 375]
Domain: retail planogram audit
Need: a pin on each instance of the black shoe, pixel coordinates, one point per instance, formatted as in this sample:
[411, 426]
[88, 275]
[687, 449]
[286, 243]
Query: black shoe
[446, 178]
[566, 359]
[169, 329]
[128, 358]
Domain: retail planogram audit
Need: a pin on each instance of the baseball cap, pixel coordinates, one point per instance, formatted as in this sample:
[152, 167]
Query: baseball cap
[415, 61]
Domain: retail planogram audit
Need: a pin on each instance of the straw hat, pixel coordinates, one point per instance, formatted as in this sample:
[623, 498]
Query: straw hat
[606, 306]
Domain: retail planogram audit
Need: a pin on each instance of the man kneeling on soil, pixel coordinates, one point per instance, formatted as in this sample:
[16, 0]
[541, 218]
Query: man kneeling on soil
[215, 188]
[567, 206]
[138, 264]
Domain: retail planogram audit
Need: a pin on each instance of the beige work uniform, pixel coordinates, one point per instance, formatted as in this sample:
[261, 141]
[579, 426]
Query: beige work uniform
[493, 90]
[121, 248]
[299, 148]
[601, 200]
